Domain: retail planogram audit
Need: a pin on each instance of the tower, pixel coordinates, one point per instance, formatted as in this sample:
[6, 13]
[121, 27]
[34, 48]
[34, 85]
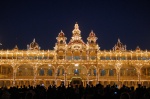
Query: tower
[91, 43]
[61, 41]
[76, 42]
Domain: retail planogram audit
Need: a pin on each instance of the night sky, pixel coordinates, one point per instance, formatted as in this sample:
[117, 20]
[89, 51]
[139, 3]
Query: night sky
[21, 22]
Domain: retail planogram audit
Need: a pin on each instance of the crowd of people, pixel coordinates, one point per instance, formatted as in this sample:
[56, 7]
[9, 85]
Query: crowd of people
[76, 92]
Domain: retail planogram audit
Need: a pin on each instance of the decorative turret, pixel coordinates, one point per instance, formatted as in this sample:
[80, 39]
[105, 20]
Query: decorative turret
[76, 42]
[92, 41]
[33, 46]
[119, 46]
[76, 32]
[15, 48]
[137, 49]
[61, 41]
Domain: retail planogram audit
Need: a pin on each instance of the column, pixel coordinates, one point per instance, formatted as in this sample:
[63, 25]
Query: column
[65, 74]
[1, 69]
[56, 78]
[98, 74]
[87, 55]
[118, 66]
[14, 76]
[88, 79]
[146, 72]
[35, 74]
[138, 69]
[139, 78]
[72, 55]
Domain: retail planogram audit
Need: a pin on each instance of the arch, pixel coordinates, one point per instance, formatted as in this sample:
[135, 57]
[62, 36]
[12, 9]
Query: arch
[128, 70]
[25, 70]
[145, 71]
[6, 71]
[60, 70]
[46, 70]
[76, 70]
[92, 70]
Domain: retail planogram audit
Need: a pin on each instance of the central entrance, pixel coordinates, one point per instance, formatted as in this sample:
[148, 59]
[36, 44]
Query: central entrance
[76, 82]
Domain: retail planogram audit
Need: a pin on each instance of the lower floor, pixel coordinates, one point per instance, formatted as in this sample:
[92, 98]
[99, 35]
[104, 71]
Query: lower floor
[74, 81]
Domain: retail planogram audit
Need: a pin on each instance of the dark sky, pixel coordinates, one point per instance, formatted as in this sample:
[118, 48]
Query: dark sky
[128, 20]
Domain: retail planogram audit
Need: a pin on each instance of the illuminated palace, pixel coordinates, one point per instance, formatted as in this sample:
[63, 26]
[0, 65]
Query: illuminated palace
[74, 63]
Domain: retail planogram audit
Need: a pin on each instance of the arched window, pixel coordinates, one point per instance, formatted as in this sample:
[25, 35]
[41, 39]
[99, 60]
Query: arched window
[61, 42]
[41, 73]
[49, 72]
[58, 72]
[111, 72]
[103, 72]
[76, 71]
[94, 71]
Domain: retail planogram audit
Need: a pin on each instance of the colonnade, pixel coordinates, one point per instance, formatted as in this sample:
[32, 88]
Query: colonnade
[89, 77]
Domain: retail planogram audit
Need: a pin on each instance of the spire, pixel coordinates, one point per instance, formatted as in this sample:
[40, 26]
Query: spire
[16, 47]
[118, 40]
[76, 26]
[61, 31]
[34, 40]
[137, 48]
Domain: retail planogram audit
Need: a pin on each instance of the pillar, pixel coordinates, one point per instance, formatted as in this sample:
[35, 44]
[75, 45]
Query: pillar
[56, 78]
[35, 74]
[14, 76]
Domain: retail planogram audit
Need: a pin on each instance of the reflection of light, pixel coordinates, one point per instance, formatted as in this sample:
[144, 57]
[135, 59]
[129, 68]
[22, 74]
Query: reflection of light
[76, 65]
[76, 69]
[0, 43]
[49, 65]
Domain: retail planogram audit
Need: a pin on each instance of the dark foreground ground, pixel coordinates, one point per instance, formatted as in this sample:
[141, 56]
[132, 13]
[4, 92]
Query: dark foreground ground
[88, 92]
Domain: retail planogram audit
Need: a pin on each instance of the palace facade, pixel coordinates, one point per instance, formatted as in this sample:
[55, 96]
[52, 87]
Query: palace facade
[74, 63]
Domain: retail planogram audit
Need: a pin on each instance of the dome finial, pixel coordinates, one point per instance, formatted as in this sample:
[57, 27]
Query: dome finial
[61, 31]
[118, 39]
[34, 40]
[76, 26]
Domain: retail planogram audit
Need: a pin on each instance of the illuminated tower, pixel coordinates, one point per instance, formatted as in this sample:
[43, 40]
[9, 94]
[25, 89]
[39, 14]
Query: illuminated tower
[91, 43]
[76, 42]
[61, 41]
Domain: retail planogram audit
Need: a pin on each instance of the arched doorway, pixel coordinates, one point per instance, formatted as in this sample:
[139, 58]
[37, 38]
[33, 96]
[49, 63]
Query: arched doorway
[76, 82]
